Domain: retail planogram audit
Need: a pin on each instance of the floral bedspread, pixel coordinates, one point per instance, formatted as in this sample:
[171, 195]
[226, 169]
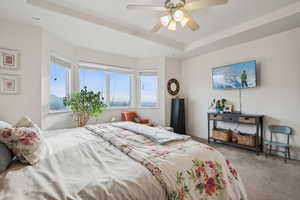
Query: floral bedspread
[185, 170]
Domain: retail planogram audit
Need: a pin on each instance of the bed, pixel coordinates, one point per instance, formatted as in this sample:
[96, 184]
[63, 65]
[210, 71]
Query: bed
[105, 161]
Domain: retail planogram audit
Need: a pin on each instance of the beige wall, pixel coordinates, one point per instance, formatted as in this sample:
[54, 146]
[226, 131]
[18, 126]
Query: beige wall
[173, 70]
[278, 93]
[27, 40]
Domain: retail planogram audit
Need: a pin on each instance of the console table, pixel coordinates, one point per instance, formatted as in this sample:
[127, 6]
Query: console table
[254, 120]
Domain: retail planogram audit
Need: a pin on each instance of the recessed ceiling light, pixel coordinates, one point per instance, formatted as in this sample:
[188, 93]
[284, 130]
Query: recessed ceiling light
[36, 18]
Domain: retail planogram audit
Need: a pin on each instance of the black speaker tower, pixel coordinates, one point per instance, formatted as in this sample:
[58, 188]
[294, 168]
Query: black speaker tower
[178, 116]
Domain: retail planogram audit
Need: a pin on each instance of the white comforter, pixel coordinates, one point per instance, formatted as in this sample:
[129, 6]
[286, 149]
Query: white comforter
[107, 162]
[81, 166]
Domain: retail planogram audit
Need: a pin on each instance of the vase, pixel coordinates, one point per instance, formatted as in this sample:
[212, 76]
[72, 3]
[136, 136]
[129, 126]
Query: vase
[218, 110]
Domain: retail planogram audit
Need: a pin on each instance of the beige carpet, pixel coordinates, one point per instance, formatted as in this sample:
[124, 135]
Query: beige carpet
[265, 178]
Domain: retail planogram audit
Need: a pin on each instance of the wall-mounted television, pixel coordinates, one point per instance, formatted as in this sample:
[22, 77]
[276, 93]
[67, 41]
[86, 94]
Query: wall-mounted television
[241, 75]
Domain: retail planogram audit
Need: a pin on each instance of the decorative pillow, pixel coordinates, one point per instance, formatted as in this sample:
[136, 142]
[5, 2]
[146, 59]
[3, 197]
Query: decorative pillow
[26, 122]
[25, 143]
[4, 125]
[5, 157]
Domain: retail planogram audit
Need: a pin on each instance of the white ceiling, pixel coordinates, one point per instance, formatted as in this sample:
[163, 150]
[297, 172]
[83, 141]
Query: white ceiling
[211, 20]
[108, 26]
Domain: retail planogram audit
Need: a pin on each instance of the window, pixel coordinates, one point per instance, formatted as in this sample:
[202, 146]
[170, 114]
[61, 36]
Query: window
[120, 90]
[115, 86]
[59, 83]
[93, 79]
[148, 89]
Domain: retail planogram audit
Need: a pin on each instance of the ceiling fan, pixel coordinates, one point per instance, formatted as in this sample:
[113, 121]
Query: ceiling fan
[176, 12]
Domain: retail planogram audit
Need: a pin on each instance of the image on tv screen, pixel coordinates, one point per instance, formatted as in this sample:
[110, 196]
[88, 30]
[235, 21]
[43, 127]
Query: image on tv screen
[242, 75]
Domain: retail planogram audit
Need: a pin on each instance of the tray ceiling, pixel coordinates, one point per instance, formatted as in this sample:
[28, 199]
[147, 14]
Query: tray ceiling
[109, 26]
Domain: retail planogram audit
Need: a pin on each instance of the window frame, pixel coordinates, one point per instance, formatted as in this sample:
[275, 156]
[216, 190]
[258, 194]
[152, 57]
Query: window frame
[102, 68]
[68, 81]
[139, 75]
[91, 68]
[131, 92]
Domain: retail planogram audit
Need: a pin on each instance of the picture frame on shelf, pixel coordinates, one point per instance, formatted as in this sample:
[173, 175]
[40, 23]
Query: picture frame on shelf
[228, 108]
[9, 84]
[9, 59]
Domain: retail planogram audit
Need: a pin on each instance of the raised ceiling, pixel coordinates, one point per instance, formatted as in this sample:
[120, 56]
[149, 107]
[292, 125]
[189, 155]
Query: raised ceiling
[211, 20]
[108, 26]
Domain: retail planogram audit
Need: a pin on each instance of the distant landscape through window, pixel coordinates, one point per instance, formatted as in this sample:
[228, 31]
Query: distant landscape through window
[116, 86]
[120, 90]
[58, 86]
[148, 91]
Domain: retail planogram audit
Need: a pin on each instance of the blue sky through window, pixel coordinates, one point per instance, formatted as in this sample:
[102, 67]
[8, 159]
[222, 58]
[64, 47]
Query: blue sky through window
[120, 88]
[120, 85]
[58, 86]
[93, 79]
[149, 87]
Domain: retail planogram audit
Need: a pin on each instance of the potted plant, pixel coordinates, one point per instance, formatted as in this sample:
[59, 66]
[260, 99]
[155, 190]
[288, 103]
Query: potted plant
[218, 105]
[84, 105]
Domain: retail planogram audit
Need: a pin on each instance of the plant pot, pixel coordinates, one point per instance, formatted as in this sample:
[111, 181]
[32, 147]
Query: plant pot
[82, 119]
[218, 110]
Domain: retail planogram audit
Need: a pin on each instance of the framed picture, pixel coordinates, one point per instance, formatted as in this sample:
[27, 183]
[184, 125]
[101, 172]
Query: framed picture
[9, 59]
[228, 108]
[9, 84]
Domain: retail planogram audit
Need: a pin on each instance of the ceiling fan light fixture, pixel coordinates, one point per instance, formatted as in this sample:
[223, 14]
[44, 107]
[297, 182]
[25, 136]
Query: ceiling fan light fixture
[178, 15]
[172, 26]
[165, 20]
[184, 21]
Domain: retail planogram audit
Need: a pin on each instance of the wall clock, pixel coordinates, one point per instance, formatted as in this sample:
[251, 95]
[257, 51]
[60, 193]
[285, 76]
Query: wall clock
[173, 87]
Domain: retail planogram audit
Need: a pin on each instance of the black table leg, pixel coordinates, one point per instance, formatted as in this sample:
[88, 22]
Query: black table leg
[262, 135]
[208, 125]
[257, 139]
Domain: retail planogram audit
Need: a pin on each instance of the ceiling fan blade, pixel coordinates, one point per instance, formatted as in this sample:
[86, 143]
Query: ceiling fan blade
[197, 4]
[192, 24]
[156, 28]
[146, 7]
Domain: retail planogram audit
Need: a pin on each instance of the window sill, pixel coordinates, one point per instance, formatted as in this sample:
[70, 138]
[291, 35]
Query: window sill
[119, 108]
[58, 112]
[148, 107]
[106, 109]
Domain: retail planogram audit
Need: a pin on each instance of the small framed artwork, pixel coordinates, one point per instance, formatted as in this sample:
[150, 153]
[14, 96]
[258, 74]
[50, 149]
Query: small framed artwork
[228, 108]
[9, 59]
[9, 84]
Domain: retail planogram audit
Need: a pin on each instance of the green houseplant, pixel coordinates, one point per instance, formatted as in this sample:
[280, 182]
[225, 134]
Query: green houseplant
[218, 105]
[85, 104]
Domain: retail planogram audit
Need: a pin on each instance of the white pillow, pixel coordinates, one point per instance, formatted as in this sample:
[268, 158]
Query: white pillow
[4, 125]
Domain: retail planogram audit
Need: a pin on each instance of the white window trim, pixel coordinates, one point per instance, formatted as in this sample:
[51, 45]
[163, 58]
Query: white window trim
[69, 81]
[132, 92]
[111, 69]
[139, 89]
[105, 67]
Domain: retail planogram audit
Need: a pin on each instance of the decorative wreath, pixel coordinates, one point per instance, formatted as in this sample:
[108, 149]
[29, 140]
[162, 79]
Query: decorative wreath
[173, 91]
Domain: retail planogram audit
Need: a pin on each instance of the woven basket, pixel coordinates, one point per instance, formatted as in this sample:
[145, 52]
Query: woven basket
[222, 134]
[247, 139]
[234, 138]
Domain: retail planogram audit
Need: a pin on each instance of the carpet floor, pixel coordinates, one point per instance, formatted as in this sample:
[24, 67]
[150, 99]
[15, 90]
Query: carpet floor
[265, 178]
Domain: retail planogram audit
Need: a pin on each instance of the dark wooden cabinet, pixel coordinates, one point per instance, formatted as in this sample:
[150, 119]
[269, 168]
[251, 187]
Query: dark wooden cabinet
[254, 120]
[178, 115]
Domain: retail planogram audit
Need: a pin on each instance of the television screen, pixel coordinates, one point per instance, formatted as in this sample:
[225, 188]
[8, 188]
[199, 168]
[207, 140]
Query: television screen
[242, 75]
